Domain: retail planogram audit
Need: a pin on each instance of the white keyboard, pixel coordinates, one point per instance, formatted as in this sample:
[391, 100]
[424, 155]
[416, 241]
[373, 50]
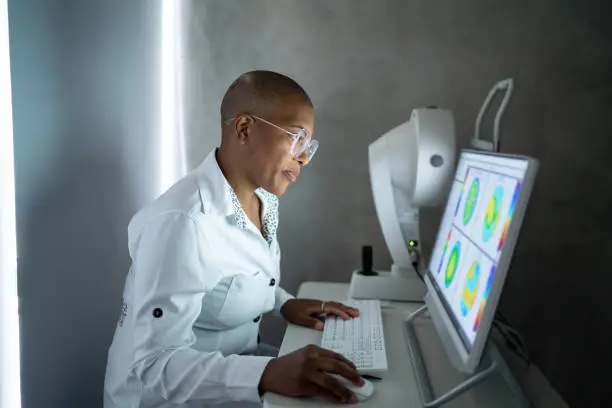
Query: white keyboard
[360, 339]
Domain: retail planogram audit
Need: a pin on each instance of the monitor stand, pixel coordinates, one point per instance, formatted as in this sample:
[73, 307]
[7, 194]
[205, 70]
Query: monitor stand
[492, 363]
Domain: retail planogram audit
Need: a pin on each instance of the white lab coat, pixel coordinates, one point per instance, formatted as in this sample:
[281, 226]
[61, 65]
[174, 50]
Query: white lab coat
[201, 277]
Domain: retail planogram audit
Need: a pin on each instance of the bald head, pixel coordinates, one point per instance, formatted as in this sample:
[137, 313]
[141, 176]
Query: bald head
[265, 115]
[262, 93]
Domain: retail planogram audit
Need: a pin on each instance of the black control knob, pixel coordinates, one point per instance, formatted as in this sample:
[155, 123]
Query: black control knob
[366, 261]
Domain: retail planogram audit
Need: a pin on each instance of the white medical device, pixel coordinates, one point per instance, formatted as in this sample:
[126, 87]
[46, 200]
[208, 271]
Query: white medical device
[410, 167]
[413, 166]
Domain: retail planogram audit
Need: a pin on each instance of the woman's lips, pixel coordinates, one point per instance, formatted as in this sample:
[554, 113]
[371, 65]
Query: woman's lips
[291, 175]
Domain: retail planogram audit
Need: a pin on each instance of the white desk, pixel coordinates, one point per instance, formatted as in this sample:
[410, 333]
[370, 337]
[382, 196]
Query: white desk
[398, 388]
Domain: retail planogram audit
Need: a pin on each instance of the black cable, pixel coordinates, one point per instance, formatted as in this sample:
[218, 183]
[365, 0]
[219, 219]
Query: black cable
[416, 263]
[499, 316]
[513, 342]
[416, 268]
[511, 332]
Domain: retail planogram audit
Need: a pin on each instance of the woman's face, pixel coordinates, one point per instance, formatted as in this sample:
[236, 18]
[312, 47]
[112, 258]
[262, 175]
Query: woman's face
[270, 163]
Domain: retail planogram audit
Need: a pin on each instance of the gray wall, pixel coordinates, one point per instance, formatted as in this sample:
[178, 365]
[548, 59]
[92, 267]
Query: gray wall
[85, 114]
[366, 66]
[84, 78]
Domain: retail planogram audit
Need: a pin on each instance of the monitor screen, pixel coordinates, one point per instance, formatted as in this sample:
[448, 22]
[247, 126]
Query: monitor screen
[471, 237]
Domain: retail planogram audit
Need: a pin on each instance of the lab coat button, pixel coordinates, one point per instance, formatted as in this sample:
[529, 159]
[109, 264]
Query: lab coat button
[157, 313]
[272, 282]
[255, 320]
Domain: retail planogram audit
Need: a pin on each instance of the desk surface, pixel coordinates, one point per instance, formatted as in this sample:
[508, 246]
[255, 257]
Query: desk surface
[398, 388]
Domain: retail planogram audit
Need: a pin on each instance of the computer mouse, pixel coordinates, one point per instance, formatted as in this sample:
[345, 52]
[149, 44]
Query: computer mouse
[362, 393]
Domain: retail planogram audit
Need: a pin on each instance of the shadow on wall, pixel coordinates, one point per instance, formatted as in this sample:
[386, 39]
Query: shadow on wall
[73, 250]
[85, 113]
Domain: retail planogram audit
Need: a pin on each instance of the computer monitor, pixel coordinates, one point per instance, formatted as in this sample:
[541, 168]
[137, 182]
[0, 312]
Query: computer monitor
[473, 249]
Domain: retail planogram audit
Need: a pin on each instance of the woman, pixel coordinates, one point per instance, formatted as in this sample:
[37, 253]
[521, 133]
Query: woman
[205, 268]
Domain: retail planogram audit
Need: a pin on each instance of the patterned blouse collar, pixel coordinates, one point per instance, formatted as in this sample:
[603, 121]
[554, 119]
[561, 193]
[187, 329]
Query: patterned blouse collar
[218, 197]
[269, 217]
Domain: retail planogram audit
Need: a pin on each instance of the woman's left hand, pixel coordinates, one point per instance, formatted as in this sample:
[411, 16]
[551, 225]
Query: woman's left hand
[304, 312]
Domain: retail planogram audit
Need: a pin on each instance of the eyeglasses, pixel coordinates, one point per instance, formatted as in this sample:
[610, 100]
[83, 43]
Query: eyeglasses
[302, 142]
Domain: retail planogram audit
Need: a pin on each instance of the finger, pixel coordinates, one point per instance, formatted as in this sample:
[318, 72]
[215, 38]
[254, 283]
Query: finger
[332, 385]
[341, 368]
[338, 311]
[310, 322]
[314, 306]
[351, 311]
[306, 320]
[336, 356]
[314, 323]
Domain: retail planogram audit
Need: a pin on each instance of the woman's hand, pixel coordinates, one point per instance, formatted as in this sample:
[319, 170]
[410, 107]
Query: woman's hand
[304, 373]
[304, 312]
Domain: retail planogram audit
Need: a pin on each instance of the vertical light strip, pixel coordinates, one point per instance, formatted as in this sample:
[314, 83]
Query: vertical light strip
[171, 138]
[10, 384]
[180, 52]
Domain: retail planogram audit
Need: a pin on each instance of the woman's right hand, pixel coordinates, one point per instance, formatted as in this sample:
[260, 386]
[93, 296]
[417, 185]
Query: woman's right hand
[303, 373]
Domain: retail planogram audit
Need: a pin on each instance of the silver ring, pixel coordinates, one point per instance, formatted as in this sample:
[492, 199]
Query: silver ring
[322, 307]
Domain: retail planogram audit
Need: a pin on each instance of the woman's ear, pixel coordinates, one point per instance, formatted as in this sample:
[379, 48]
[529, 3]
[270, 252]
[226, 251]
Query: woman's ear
[243, 127]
